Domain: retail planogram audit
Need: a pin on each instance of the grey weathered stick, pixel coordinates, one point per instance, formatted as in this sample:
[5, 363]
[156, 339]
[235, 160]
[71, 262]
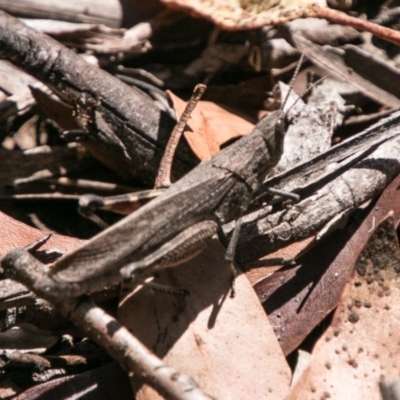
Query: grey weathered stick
[116, 116]
[179, 222]
[331, 183]
[108, 332]
[335, 66]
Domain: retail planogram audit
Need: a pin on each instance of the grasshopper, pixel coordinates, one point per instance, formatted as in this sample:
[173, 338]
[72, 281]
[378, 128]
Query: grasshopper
[175, 226]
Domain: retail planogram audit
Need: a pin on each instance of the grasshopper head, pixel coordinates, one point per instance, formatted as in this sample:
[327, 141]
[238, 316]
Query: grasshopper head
[273, 128]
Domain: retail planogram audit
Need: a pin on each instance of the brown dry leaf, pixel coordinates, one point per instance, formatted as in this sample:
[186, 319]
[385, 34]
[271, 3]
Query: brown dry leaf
[248, 14]
[210, 126]
[226, 344]
[17, 234]
[361, 346]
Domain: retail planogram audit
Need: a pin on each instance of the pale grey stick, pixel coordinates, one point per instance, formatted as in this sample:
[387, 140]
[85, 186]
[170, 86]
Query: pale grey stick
[347, 191]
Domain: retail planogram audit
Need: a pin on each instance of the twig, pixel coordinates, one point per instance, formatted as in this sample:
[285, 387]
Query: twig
[107, 332]
[344, 19]
[164, 172]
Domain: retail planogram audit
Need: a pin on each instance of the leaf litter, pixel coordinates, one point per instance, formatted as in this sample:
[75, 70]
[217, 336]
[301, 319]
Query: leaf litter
[229, 346]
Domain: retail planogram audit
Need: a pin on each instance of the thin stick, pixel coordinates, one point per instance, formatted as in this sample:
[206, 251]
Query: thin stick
[20, 265]
[164, 172]
[341, 18]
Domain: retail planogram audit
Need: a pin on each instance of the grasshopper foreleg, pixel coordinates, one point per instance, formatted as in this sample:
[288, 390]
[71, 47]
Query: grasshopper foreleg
[230, 252]
[181, 248]
[121, 204]
[288, 195]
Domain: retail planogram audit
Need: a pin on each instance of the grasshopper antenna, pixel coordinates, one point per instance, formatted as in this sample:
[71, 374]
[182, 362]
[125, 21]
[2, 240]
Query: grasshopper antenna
[308, 90]
[294, 77]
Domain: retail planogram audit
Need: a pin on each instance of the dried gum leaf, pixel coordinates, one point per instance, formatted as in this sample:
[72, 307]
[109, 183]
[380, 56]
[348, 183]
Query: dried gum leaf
[17, 234]
[225, 344]
[209, 126]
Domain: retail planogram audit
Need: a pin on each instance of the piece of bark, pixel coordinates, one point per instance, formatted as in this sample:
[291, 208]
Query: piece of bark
[26, 136]
[276, 52]
[27, 338]
[13, 294]
[321, 32]
[120, 118]
[54, 108]
[72, 363]
[381, 73]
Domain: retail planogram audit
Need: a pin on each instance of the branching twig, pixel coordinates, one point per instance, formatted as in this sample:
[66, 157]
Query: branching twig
[108, 333]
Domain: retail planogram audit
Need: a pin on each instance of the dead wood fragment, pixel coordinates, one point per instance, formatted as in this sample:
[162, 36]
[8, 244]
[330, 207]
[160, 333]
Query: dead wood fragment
[27, 338]
[40, 363]
[18, 99]
[13, 294]
[372, 68]
[120, 118]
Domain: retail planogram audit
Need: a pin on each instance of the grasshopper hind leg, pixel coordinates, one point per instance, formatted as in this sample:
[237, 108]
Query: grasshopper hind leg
[181, 248]
[132, 283]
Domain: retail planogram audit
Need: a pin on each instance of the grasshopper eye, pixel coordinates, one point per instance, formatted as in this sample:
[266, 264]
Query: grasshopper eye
[281, 125]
